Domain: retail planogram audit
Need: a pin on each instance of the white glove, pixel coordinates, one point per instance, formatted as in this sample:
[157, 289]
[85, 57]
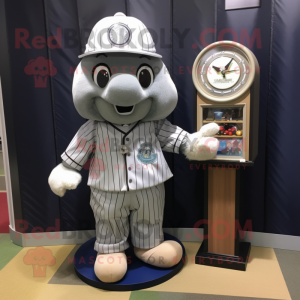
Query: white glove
[62, 179]
[205, 147]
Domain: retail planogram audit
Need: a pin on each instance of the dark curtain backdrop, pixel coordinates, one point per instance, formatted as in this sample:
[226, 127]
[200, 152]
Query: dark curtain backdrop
[46, 120]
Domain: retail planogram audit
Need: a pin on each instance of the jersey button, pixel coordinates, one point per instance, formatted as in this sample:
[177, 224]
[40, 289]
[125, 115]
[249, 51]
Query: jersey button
[128, 154]
[129, 168]
[130, 180]
[127, 139]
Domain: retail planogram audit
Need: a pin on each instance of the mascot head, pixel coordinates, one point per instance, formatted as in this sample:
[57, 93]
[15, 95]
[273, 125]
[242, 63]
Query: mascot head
[121, 78]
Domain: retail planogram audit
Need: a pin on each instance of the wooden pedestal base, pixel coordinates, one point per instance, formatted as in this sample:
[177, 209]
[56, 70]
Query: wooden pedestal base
[223, 260]
[221, 246]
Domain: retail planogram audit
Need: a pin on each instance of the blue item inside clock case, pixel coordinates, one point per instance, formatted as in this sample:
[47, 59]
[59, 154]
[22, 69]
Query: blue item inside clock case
[218, 115]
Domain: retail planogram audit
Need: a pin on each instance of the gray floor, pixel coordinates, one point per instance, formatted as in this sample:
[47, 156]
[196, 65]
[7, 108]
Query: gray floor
[144, 295]
[65, 273]
[289, 262]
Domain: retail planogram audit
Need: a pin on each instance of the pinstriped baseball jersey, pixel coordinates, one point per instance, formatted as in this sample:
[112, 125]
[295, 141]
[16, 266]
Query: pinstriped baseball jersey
[124, 161]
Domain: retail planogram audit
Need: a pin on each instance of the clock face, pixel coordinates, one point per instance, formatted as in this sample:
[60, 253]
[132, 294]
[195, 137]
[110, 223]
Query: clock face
[223, 75]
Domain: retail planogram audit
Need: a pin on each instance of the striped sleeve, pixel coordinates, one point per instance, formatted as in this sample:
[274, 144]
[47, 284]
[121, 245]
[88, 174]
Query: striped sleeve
[81, 146]
[170, 136]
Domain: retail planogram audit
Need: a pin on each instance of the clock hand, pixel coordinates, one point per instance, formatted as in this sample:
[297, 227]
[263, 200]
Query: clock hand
[216, 69]
[229, 71]
[223, 72]
[227, 66]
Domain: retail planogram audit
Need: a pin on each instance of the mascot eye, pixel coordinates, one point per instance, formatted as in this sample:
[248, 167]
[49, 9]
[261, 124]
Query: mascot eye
[101, 75]
[145, 76]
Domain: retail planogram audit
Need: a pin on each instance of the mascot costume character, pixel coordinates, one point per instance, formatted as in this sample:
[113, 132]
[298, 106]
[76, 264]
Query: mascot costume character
[125, 91]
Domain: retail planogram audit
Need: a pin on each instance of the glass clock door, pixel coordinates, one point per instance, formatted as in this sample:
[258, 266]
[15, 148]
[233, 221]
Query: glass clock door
[231, 134]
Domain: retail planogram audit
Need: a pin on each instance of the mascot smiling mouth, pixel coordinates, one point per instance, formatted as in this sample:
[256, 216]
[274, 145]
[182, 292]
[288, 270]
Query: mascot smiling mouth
[124, 110]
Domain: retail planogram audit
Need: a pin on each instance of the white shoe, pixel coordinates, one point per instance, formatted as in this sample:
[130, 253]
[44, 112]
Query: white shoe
[165, 255]
[110, 267]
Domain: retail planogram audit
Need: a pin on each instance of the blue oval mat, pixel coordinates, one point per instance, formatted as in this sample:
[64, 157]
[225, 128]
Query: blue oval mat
[139, 274]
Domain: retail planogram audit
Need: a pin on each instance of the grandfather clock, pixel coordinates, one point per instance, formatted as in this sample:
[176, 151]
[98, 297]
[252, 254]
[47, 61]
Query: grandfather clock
[226, 76]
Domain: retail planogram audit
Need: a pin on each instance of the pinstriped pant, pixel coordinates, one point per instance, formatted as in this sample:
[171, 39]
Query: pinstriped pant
[112, 210]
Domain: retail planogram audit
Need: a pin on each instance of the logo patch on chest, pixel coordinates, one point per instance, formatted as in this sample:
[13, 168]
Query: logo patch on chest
[146, 154]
